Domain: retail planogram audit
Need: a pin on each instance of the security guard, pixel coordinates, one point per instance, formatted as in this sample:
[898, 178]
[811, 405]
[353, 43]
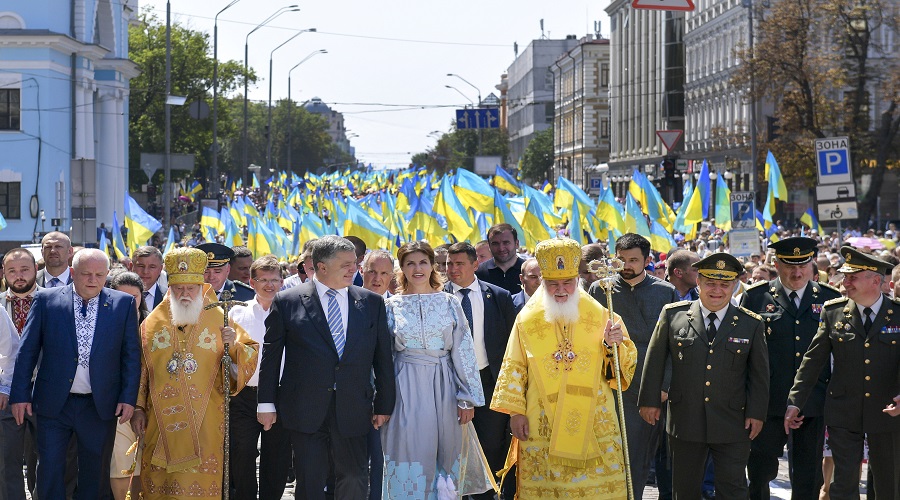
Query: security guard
[719, 390]
[861, 333]
[217, 269]
[790, 306]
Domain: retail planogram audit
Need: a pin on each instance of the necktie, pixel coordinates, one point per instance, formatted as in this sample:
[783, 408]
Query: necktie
[867, 312]
[335, 323]
[467, 307]
[793, 297]
[55, 282]
[146, 298]
[711, 329]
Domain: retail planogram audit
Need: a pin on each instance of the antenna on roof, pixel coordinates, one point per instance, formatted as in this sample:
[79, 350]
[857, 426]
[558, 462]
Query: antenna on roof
[543, 37]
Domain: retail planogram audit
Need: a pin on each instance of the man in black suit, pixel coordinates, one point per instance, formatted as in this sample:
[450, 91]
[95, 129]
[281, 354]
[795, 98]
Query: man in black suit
[217, 269]
[148, 265]
[334, 337]
[531, 280]
[491, 314]
[791, 306]
[56, 248]
[506, 266]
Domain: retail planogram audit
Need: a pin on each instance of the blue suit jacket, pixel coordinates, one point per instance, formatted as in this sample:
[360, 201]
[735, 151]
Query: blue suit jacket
[519, 301]
[115, 362]
[499, 317]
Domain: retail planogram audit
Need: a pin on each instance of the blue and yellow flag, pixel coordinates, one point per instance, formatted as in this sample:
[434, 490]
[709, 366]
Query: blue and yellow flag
[118, 243]
[505, 181]
[473, 191]
[141, 226]
[634, 218]
[210, 218]
[809, 218]
[723, 205]
[447, 204]
[170, 241]
[777, 188]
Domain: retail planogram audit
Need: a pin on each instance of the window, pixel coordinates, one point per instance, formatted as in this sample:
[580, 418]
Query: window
[9, 109]
[11, 200]
[604, 127]
[604, 75]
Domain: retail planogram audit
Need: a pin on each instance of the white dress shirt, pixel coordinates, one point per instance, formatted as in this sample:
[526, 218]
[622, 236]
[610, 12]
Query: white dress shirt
[798, 292]
[341, 297]
[477, 301]
[875, 308]
[720, 316]
[150, 297]
[84, 340]
[252, 318]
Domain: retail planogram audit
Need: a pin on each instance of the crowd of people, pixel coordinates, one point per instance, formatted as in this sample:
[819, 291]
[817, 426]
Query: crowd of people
[473, 369]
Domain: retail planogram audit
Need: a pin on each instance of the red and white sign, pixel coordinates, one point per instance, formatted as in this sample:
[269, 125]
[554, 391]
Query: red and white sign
[663, 4]
[669, 138]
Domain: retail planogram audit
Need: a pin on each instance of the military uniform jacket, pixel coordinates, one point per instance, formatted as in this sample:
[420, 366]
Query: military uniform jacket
[789, 332]
[865, 377]
[714, 387]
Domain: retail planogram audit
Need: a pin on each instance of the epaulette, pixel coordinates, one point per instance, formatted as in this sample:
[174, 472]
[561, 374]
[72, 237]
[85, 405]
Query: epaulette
[750, 313]
[242, 285]
[839, 300]
[896, 300]
[757, 285]
[828, 286]
[680, 303]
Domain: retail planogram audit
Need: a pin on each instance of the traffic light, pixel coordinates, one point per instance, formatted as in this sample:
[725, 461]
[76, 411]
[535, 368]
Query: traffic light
[772, 129]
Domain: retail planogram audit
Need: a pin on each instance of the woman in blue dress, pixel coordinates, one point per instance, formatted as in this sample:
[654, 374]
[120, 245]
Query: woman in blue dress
[430, 447]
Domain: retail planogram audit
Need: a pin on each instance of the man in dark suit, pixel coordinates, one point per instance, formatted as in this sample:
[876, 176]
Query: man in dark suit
[359, 247]
[148, 264]
[56, 248]
[791, 306]
[89, 374]
[719, 389]
[334, 337]
[861, 334]
[531, 280]
[506, 266]
[218, 266]
[491, 314]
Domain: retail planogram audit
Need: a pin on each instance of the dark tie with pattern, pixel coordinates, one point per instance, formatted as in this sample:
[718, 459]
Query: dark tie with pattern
[867, 312]
[711, 329]
[467, 307]
[55, 282]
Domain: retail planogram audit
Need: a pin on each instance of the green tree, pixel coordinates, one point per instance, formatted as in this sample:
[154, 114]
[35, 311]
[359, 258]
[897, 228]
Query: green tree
[826, 85]
[192, 77]
[458, 149]
[538, 157]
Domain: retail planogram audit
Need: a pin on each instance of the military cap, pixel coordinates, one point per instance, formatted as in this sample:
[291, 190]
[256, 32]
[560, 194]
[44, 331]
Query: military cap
[558, 258]
[719, 266]
[797, 250]
[856, 261]
[185, 266]
[217, 255]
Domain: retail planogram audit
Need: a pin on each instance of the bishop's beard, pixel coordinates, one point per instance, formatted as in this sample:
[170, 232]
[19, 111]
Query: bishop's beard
[567, 312]
[186, 311]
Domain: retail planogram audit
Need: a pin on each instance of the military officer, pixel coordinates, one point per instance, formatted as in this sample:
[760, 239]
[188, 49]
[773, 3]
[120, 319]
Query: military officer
[861, 334]
[217, 269]
[790, 306]
[719, 389]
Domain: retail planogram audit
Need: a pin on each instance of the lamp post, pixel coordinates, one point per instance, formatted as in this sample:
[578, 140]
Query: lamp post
[269, 123]
[167, 167]
[289, 8]
[478, 91]
[461, 93]
[214, 184]
[291, 106]
[753, 147]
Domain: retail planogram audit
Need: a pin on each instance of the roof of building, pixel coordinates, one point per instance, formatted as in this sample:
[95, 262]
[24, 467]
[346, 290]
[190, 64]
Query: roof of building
[315, 105]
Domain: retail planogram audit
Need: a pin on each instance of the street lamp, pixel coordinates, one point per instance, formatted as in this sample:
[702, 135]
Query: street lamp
[460, 93]
[214, 185]
[269, 123]
[291, 105]
[289, 8]
[469, 84]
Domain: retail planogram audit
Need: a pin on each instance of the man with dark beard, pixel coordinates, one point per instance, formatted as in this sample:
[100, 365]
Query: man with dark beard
[556, 383]
[181, 397]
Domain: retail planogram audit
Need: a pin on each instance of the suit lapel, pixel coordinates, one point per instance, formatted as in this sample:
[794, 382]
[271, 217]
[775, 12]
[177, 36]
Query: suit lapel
[810, 295]
[158, 296]
[356, 307]
[781, 296]
[316, 312]
[68, 297]
[852, 310]
[696, 321]
[103, 312]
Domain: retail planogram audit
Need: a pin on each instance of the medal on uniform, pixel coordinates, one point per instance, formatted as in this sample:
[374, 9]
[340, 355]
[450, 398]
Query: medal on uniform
[770, 307]
[172, 365]
[190, 364]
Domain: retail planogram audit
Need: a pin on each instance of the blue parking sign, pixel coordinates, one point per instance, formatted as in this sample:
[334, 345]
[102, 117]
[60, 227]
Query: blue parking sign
[833, 160]
[743, 210]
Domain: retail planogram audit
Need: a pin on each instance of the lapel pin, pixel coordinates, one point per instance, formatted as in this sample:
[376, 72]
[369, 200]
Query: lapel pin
[488, 295]
[815, 290]
[772, 290]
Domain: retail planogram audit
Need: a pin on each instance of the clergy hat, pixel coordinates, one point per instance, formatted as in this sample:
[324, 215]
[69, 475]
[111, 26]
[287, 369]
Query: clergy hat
[719, 266]
[185, 266]
[558, 258]
[798, 250]
[217, 255]
[856, 261]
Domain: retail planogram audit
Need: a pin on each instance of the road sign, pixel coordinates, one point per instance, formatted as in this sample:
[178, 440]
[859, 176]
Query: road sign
[595, 184]
[743, 210]
[743, 242]
[841, 210]
[828, 192]
[669, 138]
[477, 118]
[663, 4]
[833, 160]
[681, 165]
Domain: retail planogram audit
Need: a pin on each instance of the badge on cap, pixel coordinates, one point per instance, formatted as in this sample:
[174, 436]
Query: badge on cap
[720, 264]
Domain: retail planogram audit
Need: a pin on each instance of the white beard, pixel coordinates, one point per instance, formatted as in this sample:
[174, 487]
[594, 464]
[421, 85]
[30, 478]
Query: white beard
[566, 312]
[186, 314]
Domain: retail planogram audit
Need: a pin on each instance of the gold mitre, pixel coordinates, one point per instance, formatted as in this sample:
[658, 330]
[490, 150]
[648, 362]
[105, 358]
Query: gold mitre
[558, 258]
[185, 266]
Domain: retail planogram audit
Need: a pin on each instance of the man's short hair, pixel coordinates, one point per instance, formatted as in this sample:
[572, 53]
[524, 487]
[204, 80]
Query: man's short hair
[895, 274]
[482, 243]
[90, 254]
[146, 251]
[681, 259]
[327, 247]
[591, 251]
[18, 253]
[264, 263]
[629, 241]
[463, 247]
[374, 255]
[240, 252]
[358, 244]
[502, 228]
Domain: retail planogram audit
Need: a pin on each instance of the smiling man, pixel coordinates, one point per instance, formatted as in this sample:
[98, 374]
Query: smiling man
[505, 267]
[719, 388]
[378, 271]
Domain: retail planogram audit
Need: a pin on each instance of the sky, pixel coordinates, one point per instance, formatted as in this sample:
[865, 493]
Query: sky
[387, 62]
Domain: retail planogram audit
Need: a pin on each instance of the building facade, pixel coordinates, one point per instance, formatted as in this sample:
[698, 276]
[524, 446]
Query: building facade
[64, 84]
[336, 129]
[529, 92]
[581, 110]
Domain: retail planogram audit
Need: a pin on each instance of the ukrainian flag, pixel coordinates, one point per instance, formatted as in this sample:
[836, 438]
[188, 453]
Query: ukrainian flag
[447, 204]
[209, 218]
[809, 218]
[359, 223]
[505, 181]
[141, 226]
[473, 191]
[502, 213]
[777, 188]
[723, 205]
[634, 218]
[118, 243]
[170, 241]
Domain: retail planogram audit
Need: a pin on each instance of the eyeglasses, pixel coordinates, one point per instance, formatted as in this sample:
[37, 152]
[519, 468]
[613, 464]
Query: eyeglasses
[274, 282]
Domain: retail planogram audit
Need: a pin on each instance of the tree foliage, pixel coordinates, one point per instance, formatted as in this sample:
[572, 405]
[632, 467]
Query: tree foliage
[538, 157]
[824, 67]
[458, 149]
